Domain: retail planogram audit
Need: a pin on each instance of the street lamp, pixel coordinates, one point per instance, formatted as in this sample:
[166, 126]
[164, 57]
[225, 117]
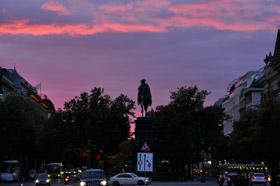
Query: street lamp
[89, 142]
[202, 154]
[94, 148]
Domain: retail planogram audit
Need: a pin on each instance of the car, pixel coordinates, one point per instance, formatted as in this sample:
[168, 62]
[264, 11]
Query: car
[93, 177]
[42, 179]
[232, 178]
[222, 178]
[128, 179]
[72, 172]
[258, 178]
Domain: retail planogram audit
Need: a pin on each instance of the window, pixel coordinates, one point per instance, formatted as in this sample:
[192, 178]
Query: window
[124, 176]
[93, 174]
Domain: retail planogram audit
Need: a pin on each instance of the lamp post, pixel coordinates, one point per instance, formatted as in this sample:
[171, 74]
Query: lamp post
[94, 148]
[202, 153]
[202, 178]
[89, 142]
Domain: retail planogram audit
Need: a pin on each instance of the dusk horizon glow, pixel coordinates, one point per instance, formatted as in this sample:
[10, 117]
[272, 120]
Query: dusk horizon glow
[73, 46]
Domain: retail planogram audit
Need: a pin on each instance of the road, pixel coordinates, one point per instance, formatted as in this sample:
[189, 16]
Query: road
[155, 183]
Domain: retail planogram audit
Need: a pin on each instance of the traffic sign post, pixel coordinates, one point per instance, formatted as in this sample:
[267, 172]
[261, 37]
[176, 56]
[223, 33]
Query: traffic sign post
[145, 147]
[145, 162]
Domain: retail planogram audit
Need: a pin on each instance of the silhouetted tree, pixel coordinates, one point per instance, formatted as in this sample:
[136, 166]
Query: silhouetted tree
[184, 127]
[95, 117]
[256, 136]
[20, 125]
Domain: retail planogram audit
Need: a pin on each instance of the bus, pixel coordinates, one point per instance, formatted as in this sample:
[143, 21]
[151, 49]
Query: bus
[244, 168]
[9, 170]
[55, 170]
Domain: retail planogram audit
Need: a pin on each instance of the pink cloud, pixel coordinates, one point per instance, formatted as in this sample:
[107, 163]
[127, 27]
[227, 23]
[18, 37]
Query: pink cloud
[56, 7]
[234, 15]
[23, 27]
[218, 24]
[150, 16]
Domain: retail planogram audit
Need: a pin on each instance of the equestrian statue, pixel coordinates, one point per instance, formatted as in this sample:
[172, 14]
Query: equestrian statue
[144, 96]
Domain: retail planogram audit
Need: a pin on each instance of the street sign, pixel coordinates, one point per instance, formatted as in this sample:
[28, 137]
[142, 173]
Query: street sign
[145, 147]
[144, 162]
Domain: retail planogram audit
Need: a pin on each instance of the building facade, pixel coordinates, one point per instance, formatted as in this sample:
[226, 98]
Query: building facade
[7, 87]
[271, 78]
[248, 91]
[11, 83]
[243, 95]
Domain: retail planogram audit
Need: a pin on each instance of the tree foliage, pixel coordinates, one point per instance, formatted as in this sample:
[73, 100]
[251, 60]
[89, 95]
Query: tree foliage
[64, 137]
[20, 125]
[257, 133]
[95, 117]
[185, 127]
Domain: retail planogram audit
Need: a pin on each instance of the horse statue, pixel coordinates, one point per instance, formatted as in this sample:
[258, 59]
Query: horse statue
[144, 96]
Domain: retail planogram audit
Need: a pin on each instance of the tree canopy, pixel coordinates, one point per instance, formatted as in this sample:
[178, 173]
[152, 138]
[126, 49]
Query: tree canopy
[95, 117]
[185, 127]
[19, 128]
[257, 133]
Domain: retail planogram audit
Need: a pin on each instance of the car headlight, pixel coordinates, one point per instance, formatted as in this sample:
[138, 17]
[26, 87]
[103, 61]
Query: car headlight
[103, 182]
[82, 183]
[37, 181]
[47, 180]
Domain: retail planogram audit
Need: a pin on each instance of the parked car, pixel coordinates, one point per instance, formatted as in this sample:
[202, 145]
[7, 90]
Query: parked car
[93, 177]
[128, 179]
[258, 178]
[42, 179]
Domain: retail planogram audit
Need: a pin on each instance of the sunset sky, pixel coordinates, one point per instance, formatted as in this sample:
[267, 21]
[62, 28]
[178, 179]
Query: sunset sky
[71, 46]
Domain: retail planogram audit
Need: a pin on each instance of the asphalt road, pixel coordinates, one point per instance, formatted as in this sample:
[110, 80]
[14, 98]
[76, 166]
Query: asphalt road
[154, 183]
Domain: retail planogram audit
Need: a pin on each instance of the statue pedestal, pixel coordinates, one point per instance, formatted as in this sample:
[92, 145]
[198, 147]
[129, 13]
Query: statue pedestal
[144, 132]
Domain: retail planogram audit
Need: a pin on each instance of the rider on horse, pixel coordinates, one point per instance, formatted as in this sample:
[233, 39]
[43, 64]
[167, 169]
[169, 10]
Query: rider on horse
[144, 96]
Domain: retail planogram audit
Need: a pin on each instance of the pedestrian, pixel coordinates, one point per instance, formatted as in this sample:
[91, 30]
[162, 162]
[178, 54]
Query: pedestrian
[20, 177]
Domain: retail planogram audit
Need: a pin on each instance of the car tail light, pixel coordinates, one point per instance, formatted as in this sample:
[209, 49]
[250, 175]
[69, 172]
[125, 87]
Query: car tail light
[254, 177]
[228, 179]
[263, 177]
